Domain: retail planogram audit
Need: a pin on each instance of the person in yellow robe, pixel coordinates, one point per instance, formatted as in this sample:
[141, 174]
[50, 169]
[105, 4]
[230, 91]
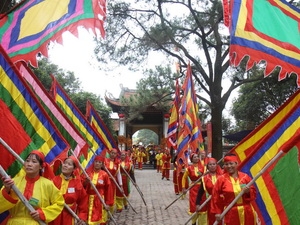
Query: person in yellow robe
[158, 158]
[40, 192]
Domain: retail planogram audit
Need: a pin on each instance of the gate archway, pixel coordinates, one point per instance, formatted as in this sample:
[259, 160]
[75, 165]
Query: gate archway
[151, 118]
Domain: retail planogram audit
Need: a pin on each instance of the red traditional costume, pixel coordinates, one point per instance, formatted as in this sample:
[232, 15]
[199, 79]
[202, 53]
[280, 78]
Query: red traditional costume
[113, 166]
[177, 178]
[75, 197]
[224, 192]
[205, 191]
[193, 172]
[128, 167]
[96, 213]
[166, 165]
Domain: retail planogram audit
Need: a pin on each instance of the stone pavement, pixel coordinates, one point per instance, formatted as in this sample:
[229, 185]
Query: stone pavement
[158, 194]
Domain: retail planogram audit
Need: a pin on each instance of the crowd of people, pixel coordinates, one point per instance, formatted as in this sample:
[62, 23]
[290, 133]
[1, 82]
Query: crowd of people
[93, 196]
[72, 197]
[209, 187]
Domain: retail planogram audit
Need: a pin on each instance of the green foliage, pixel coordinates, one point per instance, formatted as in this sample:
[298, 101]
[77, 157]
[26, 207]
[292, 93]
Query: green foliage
[67, 80]
[258, 100]
[156, 89]
[82, 97]
[146, 137]
[71, 85]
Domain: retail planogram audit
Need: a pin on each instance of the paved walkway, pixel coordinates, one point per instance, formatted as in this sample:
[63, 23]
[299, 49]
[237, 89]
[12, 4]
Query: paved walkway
[158, 194]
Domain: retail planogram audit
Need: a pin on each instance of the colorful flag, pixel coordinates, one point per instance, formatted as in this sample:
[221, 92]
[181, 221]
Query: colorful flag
[28, 29]
[278, 187]
[189, 122]
[98, 125]
[81, 123]
[63, 124]
[173, 122]
[264, 30]
[25, 124]
[189, 130]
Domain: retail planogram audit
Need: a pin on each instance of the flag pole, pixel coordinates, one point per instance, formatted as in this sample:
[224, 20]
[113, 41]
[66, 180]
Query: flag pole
[22, 162]
[20, 195]
[192, 185]
[116, 183]
[94, 187]
[277, 156]
[135, 185]
[195, 213]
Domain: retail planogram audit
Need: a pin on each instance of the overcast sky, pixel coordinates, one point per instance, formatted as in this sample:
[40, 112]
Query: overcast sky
[76, 54]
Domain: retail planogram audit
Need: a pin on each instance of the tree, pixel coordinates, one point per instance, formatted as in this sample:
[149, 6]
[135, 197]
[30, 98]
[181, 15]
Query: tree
[181, 31]
[258, 100]
[5, 6]
[71, 85]
[66, 79]
[147, 137]
[153, 90]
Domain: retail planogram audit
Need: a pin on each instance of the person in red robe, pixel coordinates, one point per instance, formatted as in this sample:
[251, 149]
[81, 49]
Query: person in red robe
[97, 213]
[73, 192]
[205, 190]
[112, 164]
[177, 177]
[194, 173]
[166, 164]
[226, 188]
[125, 164]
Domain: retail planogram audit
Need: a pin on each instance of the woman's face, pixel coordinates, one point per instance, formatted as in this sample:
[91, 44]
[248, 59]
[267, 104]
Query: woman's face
[212, 166]
[123, 156]
[97, 165]
[67, 167]
[230, 167]
[112, 154]
[195, 158]
[32, 166]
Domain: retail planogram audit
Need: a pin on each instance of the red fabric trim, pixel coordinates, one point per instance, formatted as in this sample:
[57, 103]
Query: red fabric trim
[8, 197]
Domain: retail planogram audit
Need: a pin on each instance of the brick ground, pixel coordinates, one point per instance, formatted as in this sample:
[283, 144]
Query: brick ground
[158, 194]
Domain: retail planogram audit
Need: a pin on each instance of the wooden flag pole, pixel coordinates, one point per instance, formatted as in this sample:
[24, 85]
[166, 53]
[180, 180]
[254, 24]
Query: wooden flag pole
[192, 185]
[195, 213]
[116, 183]
[134, 183]
[22, 162]
[95, 189]
[195, 182]
[249, 184]
[121, 190]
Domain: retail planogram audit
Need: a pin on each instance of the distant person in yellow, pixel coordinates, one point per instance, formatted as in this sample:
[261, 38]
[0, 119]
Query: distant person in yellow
[140, 158]
[159, 161]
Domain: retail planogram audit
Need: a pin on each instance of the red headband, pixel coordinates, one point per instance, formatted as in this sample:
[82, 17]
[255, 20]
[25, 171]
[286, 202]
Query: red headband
[230, 158]
[114, 150]
[99, 158]
[211, 160]
[39, 154]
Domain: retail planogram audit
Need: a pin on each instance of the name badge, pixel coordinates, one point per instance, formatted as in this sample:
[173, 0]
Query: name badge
[242, 186]
[71, 190]
[34, 202]
[100, 181]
